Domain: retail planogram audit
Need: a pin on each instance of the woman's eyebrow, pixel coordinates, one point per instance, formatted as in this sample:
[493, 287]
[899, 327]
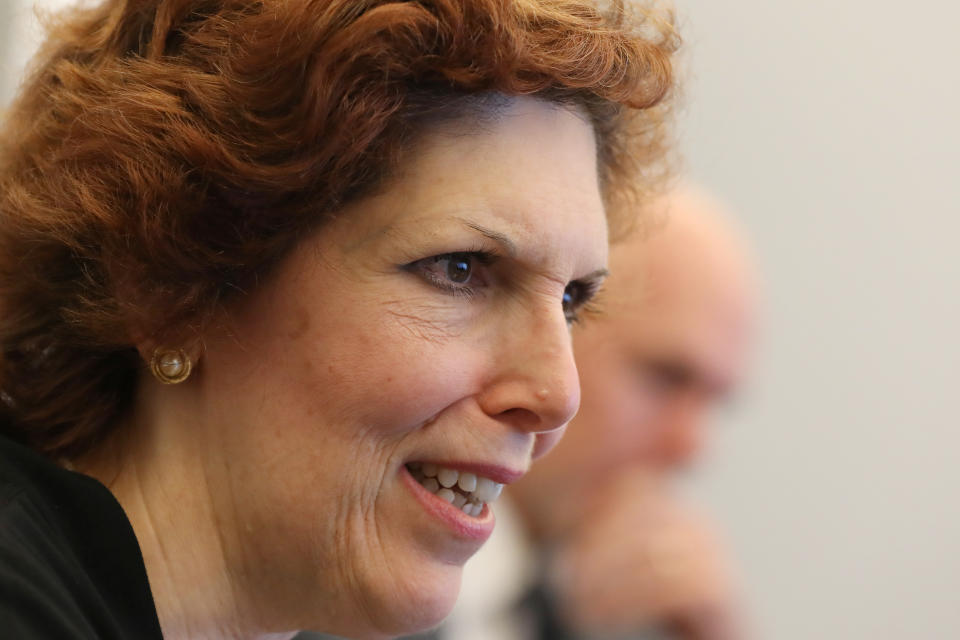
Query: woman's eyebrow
[596, 276]
[508, 245]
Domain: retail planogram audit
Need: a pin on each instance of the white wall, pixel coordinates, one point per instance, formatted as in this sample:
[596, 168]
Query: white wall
[19, 34]
[832, 127]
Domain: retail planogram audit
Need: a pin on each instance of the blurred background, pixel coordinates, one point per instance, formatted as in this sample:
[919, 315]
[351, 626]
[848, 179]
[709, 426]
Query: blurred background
[833, 130]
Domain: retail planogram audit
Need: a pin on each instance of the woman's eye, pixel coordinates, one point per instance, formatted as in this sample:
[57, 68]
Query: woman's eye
[459, 266]
[458, 272]
[576, 295]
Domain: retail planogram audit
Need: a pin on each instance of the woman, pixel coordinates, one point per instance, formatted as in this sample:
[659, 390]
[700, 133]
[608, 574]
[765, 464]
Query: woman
[285, 290]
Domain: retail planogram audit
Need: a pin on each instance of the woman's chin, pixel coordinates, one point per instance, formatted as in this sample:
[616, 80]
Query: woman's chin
[423, 601]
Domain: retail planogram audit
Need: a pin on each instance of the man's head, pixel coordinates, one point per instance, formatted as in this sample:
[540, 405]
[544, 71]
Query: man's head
[670, 343]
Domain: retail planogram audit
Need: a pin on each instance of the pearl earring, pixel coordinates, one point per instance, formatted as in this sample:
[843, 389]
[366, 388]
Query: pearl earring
[170, 366]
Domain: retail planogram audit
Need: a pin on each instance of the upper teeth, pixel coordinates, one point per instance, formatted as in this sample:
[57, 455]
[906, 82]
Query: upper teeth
[463, 489]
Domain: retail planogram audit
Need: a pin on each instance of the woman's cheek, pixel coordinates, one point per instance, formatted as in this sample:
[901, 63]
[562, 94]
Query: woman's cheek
[421, 377]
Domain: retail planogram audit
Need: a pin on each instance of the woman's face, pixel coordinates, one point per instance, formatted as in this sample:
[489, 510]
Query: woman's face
[425, 324]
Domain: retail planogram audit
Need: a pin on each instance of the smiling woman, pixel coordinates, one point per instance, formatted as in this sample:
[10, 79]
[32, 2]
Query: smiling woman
[347, 240]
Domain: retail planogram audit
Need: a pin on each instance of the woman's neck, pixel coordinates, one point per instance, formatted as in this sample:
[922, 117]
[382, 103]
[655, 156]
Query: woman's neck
[160, 479]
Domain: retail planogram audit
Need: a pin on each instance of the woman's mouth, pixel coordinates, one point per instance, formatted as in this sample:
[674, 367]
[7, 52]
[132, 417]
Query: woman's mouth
[466, 491]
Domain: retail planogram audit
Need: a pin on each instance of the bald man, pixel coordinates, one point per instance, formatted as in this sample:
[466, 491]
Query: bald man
[596, 524]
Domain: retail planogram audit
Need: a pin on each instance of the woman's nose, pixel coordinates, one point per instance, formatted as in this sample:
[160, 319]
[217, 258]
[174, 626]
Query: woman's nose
[534, 384]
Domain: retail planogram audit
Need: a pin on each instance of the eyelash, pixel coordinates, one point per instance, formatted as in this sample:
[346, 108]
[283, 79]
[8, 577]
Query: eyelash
[580, 303]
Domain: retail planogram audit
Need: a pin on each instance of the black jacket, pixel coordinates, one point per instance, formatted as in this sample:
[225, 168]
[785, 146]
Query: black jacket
[70, 565]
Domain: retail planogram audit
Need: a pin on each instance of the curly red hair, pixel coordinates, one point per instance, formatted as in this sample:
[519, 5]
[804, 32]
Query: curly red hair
[163, 154]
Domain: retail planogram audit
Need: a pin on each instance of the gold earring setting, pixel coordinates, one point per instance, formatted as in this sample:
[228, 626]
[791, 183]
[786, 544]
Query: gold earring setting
[171, 366]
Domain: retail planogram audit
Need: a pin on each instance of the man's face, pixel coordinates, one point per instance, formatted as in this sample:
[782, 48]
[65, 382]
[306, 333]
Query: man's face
[669, 347]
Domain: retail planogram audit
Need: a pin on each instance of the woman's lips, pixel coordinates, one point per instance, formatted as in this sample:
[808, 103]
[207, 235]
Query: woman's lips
[462, 509]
